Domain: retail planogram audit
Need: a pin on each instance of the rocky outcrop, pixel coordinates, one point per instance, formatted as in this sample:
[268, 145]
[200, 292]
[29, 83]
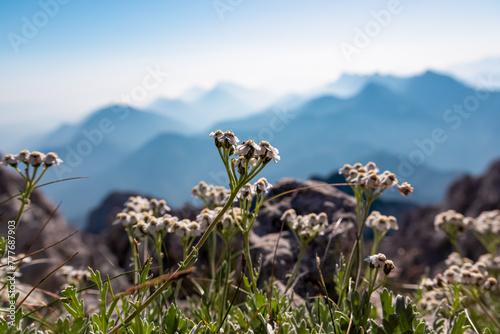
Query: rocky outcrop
[42, 228]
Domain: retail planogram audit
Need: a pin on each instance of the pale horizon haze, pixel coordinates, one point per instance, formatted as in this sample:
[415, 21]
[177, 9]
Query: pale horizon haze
[83, 55]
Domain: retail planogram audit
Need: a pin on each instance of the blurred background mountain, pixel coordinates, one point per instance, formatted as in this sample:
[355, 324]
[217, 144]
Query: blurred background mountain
[428, 129]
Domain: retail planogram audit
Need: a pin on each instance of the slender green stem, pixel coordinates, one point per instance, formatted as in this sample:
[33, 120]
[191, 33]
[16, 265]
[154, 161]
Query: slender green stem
[226, 283]
[249, 260]
[485, 309]
[377, 237]
[291, 279]
[454, 243]
[362, 210]
[134, 255]
[179, 282]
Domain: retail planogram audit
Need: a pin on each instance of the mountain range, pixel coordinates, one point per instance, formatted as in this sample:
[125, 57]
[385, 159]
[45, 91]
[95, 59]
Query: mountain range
[410, 126]
[200, 109]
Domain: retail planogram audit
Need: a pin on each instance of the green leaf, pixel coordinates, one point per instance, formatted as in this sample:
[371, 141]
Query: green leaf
[391, 324]
[386, 300]
[459, 326]
[3, 247]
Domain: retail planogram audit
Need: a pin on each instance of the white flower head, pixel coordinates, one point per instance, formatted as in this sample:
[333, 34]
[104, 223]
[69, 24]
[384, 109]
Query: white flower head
[241, 163]
[371, 180]
[10, 160]
[52, 159]
[388, 179]
[141, 229]
[377, 260]
[289, 215]
[381, 222]
[201, 190]
[405, 189]
[246, 192]
[23, 156]
[487, 222]
[262, 186]
[182, 228]
[224, 139]
[248, 149]
[268, 152]
[194, 228]
[451, 222]
[308, 226]
[371, 167]
[155, 224]
[205, 218]
[123, 219]
[36, 158]
[345, 170]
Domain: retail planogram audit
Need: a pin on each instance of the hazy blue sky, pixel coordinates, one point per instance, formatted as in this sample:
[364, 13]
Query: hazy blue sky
[88, 53]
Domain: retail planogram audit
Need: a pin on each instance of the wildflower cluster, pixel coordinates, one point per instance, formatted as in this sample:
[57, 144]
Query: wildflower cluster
[305, 228]
[471, 278]
[381, 223]
[211, 195]
[185, 228]
[491, 262]
[486, 227]
[35, 159]
[249, 191]
[487, 222]
[368, 176]
[470, 273]
[74, 276]
[206, 217]
[32, 161]
[451, 222]
[145, 216]
[250, 157]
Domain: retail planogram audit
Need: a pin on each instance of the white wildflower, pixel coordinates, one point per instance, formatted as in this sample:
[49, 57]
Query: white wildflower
[224, 139]
[381, 222]
[388, 179]
[268, 152]
[345, 170]
[262, 186]
[23, 156]
[405, 189]
[248, 149]
[10, 160]
[246, 192]
[51, 159]
[377, 260]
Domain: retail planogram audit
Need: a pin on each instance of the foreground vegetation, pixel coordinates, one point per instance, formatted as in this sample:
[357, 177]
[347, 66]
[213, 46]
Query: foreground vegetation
[235, 297]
